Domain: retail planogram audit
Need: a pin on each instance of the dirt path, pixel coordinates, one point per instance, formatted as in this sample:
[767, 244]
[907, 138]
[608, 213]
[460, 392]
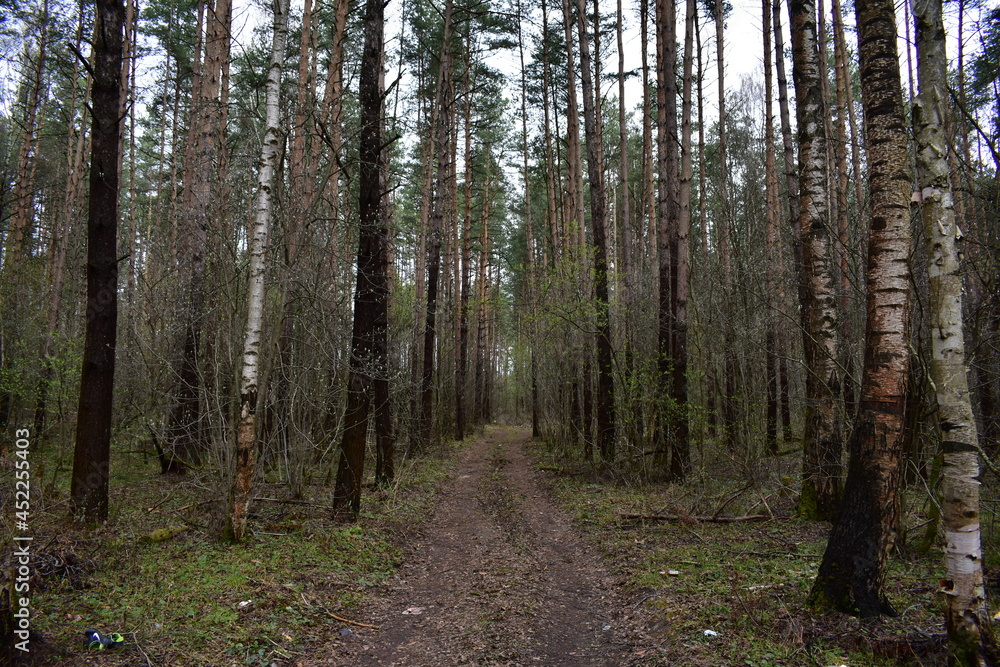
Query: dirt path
[498, 577]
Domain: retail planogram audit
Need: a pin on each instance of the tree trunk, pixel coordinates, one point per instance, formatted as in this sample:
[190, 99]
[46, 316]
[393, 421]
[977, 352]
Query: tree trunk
[821, 444]
[246, 431]
[24, 186]
[771, 239]
[482, 291]
[550, 169]
[666, 207]
[445, 110]
[461, 362]
[680, 446]
[792, 207]
[648, 190]
[200, 170]
[368, 340]
[791, 173]
[61, 235]
[852, 575]
[605, 402]
[967, 620]
[529, 232]
[841, 192]
[573, 208]
[730, 411]
[89, 490]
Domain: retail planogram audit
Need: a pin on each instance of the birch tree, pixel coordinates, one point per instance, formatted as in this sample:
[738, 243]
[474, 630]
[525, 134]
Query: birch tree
[965, 614]
[246, 430]
[822, 440]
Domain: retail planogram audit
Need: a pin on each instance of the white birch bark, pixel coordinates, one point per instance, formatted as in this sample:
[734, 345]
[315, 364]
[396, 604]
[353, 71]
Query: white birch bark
[246, 448]
[966, 603]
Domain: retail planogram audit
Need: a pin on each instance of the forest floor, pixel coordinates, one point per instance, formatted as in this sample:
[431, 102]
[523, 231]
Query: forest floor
[495, 551]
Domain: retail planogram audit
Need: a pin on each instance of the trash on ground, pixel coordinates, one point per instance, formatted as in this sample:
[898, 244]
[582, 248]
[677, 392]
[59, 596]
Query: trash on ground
[99, 641]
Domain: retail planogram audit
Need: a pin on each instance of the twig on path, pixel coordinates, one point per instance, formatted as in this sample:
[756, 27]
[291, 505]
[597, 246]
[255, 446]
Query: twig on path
[278, 648]
[689, 518]
[349, 621]
[157, 505]
[135, 638]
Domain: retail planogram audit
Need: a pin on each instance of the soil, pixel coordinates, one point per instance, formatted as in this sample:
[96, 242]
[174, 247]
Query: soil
[496, 577]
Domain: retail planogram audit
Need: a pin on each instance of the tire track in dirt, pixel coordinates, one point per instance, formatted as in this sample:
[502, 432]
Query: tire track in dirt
[498, 577]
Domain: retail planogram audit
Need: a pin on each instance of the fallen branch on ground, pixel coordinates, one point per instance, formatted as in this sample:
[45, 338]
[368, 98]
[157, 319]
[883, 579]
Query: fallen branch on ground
[303, 503]
[689, 518]
[350, 622]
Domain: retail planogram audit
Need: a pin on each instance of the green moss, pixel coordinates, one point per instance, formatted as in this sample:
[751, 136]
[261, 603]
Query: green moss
[808, 505]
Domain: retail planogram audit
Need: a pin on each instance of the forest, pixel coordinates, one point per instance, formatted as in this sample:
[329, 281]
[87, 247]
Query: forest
[499, 332]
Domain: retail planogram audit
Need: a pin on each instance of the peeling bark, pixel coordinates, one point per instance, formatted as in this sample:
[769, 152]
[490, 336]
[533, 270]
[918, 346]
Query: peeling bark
[966, 617]
[821, 445]
[851, 577]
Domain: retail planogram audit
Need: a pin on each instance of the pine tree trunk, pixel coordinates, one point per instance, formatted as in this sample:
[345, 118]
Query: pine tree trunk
[648, 190]
[61, 235]
[730, 411]
[667, 206]
[852, 575]
[445, 111]
[461, 361]
[482, 291]
[201, 170]
[24, 186]
[680, 446]
[791, 172]
[791, 207]
[771, 240]
[89, 489]
[605, 402]
[368, 340]
[529, 230]
[573, 208]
